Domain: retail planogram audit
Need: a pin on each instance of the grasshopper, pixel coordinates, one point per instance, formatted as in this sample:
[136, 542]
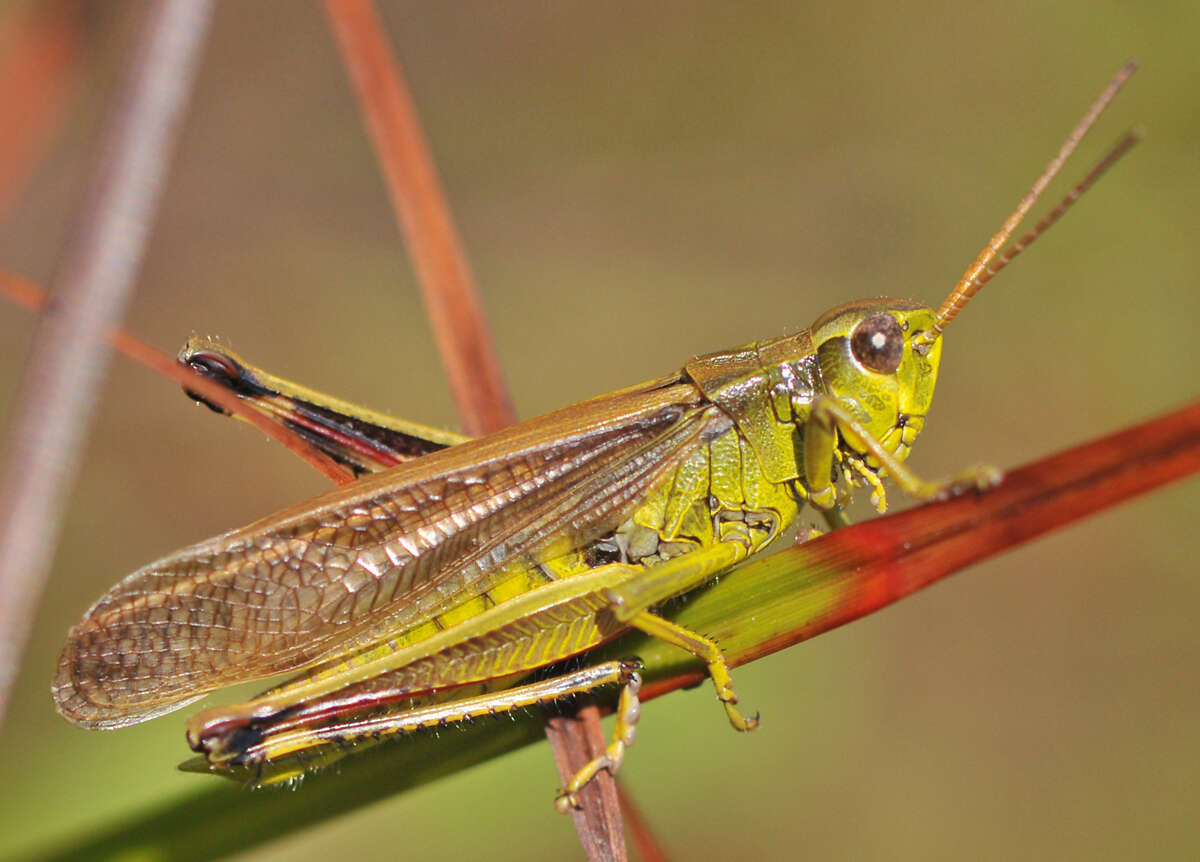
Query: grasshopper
[436, 589]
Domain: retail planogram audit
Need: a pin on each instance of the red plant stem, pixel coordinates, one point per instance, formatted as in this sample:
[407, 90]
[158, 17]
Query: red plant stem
[455, 312]
[461, 331]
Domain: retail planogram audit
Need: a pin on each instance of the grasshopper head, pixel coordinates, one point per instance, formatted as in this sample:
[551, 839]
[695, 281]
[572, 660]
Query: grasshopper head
[870, 363]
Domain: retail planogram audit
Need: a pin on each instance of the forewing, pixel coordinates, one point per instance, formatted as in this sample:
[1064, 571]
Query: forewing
[339, 570]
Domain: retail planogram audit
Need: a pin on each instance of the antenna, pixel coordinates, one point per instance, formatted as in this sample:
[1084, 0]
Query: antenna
[1120, 148]
[977, 273]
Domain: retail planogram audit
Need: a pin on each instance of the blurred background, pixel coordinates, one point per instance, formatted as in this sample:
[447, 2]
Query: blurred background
[638, 183]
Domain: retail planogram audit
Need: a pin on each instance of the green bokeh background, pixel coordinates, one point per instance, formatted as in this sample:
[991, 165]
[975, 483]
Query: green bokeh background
[636, 185]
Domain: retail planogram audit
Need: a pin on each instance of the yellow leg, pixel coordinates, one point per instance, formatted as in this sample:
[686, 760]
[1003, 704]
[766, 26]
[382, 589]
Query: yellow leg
[675, 576]
[629, 601]
[273, 746]
[707, 651]
[829, 419]
[629, 709]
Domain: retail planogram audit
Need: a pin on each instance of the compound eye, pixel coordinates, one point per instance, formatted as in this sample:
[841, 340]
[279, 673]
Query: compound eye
[878, 343]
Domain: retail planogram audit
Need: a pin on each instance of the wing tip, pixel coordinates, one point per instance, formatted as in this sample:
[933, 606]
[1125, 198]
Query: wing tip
[84, 700]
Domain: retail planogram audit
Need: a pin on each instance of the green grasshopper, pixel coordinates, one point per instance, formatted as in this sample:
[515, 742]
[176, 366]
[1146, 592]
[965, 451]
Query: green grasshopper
[435, 590]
